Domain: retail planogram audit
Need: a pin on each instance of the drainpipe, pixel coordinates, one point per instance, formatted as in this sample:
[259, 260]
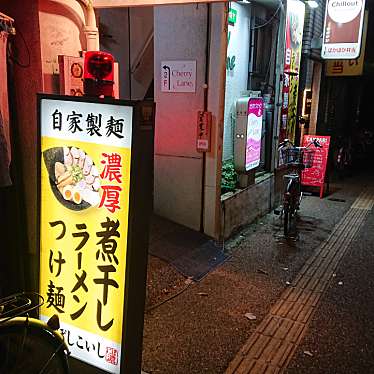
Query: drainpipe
[90, 29]
[207, 57]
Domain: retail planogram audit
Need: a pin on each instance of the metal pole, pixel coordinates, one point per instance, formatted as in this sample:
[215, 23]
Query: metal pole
[278, 87]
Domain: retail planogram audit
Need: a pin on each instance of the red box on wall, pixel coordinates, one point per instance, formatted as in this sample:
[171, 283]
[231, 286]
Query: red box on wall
[204, 125]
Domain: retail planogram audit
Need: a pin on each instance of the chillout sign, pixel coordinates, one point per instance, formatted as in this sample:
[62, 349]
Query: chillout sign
[344, 11]
[343, 29]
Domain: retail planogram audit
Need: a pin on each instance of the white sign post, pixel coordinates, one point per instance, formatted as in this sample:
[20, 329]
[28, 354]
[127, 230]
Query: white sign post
[343, 29]
[254, 132]
[178, 76]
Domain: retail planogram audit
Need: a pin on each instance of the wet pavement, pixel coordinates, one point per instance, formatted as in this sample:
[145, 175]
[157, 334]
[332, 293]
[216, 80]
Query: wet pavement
[274, 342]
[200, 327]
[341, 335]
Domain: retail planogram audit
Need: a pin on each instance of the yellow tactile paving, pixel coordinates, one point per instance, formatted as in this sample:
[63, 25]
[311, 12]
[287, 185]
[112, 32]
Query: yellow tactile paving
[268, 353]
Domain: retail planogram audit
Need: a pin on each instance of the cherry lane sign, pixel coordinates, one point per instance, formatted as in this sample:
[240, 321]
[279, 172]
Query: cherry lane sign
[178, 76]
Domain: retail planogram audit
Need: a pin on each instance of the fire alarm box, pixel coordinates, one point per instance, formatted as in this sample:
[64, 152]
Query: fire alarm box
[248, 131]
[204, 125]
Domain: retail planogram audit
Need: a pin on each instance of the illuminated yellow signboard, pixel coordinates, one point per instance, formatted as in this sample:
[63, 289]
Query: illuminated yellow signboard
[84, 209]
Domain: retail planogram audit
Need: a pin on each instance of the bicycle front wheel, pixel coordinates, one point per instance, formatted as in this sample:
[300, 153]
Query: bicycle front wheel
[25, 349]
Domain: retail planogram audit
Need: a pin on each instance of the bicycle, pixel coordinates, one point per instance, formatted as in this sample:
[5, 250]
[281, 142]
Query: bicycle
[28, 345]
[296, 159]
[343, 157]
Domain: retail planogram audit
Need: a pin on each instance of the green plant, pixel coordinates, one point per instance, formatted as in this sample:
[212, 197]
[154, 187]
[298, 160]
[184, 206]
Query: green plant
[229, 176]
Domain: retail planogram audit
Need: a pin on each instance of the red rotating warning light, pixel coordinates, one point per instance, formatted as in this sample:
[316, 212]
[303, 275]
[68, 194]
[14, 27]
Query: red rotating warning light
[98, 76]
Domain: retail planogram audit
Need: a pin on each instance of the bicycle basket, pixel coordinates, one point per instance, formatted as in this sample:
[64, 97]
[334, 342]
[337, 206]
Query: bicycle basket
[301, 156]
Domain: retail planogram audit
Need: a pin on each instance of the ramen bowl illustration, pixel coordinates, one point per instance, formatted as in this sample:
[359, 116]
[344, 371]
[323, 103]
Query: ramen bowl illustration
[73, 177]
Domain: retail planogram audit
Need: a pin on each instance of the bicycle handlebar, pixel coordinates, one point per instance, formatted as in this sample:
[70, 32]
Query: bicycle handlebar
[19, 304]
[285, 142]
[315, 142]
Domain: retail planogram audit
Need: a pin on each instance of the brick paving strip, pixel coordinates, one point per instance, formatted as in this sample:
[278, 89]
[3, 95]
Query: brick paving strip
[272, 345]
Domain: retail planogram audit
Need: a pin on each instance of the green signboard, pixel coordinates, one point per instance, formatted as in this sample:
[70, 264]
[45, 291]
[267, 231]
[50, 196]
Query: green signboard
[232, 16]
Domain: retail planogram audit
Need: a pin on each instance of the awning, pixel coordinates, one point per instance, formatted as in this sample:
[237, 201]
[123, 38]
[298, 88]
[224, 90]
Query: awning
[133, 3]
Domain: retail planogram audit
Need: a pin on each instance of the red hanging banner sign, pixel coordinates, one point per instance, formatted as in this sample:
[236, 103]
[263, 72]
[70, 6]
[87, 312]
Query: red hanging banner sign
[293, 43]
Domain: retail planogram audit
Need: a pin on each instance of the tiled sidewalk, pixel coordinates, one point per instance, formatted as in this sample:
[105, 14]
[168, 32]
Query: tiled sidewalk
[272, 345]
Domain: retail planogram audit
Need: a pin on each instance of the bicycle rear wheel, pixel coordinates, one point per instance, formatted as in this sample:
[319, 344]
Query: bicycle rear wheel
[286, 220]
[26, 349]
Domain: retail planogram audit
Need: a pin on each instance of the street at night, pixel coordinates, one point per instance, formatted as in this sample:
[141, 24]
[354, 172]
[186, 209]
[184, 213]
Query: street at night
[186, 187]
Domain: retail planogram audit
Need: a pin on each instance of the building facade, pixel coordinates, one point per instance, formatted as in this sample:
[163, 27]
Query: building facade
[236, 50]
